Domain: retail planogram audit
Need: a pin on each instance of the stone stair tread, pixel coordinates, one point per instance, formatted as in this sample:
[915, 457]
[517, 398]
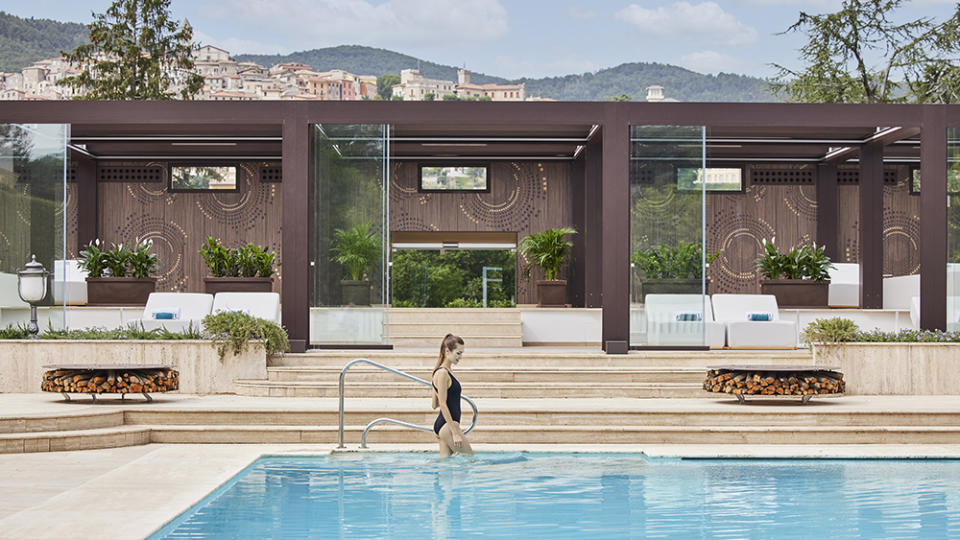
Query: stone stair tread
[522, 427]
[489, 369]
[374, 384]
[133, 428]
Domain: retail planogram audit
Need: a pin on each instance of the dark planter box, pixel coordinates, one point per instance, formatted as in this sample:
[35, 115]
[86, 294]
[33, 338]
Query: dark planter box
[214, 285]
[671, 286]
[552, 293]
[797, 293]
[355, 292]
[123, 291]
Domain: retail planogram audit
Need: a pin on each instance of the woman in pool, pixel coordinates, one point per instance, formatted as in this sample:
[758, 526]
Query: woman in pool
[446, 396]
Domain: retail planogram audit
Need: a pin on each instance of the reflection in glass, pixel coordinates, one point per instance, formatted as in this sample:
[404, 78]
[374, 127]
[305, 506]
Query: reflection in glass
[193, 177]
[32, 216]
[953, 229]
[667, 191]
[349, 234]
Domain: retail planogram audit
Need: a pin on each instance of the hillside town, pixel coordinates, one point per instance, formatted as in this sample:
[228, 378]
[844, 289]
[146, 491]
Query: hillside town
[226, 79]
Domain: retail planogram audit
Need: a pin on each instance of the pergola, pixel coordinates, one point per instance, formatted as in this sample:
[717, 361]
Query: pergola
[593, 137]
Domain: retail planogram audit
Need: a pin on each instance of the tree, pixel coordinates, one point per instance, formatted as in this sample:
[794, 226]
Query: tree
[385, 85]
[429, 96]
[621, 97]
[136, 51]
[858, 55]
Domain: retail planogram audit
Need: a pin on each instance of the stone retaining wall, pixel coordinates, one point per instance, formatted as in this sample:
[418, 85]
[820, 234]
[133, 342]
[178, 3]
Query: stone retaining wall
[201, 370]
[894, 368]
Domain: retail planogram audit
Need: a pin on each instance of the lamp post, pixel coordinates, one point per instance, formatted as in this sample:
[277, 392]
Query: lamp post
[32, 287]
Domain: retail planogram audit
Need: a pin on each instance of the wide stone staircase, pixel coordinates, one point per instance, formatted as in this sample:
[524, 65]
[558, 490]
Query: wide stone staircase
[423, 327]
[525, 396]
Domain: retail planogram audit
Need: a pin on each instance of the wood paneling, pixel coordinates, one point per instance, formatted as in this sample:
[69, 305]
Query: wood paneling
[525, 197]
[179, 222]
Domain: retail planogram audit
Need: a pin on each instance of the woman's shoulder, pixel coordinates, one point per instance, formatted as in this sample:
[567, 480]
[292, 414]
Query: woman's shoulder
[441, 374]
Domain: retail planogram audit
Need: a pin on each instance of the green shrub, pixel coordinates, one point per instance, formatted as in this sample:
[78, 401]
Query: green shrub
[547, 249]
[131, 332]
[246, 261]
[14, 332]
[142, 259]
[91, 259]
[669, 262]
[804, 262]
[357, 248]
[234, 329]
[834, 330]
[501, 303]
[463, 302]
[908, 336]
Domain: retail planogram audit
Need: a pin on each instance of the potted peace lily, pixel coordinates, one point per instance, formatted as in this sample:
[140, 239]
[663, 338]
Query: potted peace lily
[798, 278]
[246, 268]
[672, 270]
[356, 248]
[119, 276]
[548, 250]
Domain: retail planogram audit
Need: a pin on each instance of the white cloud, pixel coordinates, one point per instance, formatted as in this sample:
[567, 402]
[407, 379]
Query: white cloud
[706, 21]
[393, 23]
[713, 62]
[580, 14]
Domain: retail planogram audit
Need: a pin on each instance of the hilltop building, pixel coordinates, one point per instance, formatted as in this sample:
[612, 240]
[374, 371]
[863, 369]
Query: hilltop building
[414, 86]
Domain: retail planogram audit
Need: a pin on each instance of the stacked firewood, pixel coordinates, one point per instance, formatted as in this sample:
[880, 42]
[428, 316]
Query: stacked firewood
[773, 383]
[112, 381]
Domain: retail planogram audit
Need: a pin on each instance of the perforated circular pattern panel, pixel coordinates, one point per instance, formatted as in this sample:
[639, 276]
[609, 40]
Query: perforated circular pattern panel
[243, 210]
[169, 243]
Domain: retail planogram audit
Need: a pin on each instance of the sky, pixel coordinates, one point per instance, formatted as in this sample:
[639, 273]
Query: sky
[506, 38]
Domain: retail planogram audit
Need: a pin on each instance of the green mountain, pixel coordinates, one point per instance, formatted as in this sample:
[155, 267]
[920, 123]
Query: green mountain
[630, 79]
[24, 41]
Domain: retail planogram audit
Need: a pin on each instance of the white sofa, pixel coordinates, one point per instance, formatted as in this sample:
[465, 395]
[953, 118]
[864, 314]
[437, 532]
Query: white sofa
[264, 305]
[69, 283]
[9, 295]
[188, 310]
[733, 311]
[898, 291]
[665, 324]
[844, 288]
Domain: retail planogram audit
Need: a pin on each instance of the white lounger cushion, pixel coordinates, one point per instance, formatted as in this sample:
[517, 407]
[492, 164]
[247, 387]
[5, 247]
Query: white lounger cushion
[844, 288]
[264, 305]
[666, 325]
[732, 310]
[899, 290]
[192, 308]
[69, 282]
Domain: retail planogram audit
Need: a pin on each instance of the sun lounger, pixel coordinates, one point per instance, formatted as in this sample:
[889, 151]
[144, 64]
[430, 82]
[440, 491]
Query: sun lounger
[175, 311]
[682, 319]
[753, 321]
[844, 288]
[69, 283]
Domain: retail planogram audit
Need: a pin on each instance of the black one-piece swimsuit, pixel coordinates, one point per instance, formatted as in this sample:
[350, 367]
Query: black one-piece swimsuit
[453, 403]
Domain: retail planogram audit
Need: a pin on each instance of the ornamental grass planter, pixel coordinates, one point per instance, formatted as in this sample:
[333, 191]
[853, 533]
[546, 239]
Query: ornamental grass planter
[214, 285]
[119, 291]
[797, 293]
[552, 293]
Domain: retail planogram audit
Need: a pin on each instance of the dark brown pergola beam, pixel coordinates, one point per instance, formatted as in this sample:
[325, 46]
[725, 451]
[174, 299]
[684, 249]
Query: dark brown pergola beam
[933, 220]
[871, 225]
[615, 235]
[885, 137]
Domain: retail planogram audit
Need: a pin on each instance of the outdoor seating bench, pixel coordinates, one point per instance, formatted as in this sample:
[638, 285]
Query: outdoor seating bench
[775, 382]
[120, 379]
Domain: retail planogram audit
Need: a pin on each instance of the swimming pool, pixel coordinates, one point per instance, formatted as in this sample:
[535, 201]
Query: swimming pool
[541, 495]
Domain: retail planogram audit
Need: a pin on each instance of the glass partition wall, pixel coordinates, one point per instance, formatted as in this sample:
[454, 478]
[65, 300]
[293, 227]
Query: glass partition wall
[668, 306]
[33, 166]
[349, 236]
[953, 229]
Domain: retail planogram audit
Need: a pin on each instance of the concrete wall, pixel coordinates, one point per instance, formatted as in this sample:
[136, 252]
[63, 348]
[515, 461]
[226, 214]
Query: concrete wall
[201, 370]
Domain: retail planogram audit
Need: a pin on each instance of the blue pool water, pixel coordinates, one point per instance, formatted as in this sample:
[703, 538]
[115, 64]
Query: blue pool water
[540, 495]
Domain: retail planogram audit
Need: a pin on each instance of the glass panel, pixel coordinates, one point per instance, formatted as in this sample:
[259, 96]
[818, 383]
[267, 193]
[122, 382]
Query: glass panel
[667, 302]
[453, 278]
[32, 216]
[348, 239]
[953, 230]
[194, 178]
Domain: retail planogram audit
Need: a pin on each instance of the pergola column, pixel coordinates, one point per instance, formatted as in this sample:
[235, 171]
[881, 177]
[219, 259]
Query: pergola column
[615, 200]
[296, 211]
[933, 219]
[827, 209]
[591, 235]
[87, 199]
[871, 226]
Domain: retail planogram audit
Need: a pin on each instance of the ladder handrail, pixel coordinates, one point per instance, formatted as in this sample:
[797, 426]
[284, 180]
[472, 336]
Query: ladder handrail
[343, 374]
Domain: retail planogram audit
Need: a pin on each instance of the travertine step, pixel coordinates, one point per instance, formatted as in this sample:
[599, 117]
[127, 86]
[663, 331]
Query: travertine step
[85, 439]
[531, 358]
[361, 373]
[441, 316]
[477, 390]
[479, 340]
[427, 330]
[424, 327]
[64, 422]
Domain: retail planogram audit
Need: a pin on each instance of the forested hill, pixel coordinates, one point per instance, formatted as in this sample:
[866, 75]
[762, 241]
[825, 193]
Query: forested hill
[24, 41]
[630, 79]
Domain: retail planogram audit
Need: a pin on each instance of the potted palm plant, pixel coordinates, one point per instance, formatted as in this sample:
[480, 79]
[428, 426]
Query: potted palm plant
[356, 248]
[119, 276]
[671, 270]
[247, 268]
[548, 250]
[798, 278]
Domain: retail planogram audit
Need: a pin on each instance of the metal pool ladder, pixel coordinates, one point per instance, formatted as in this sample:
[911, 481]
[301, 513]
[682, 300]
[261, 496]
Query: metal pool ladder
[429, 429]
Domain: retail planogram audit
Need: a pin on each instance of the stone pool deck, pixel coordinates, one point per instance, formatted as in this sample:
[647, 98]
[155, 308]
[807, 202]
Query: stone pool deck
[132, 490]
